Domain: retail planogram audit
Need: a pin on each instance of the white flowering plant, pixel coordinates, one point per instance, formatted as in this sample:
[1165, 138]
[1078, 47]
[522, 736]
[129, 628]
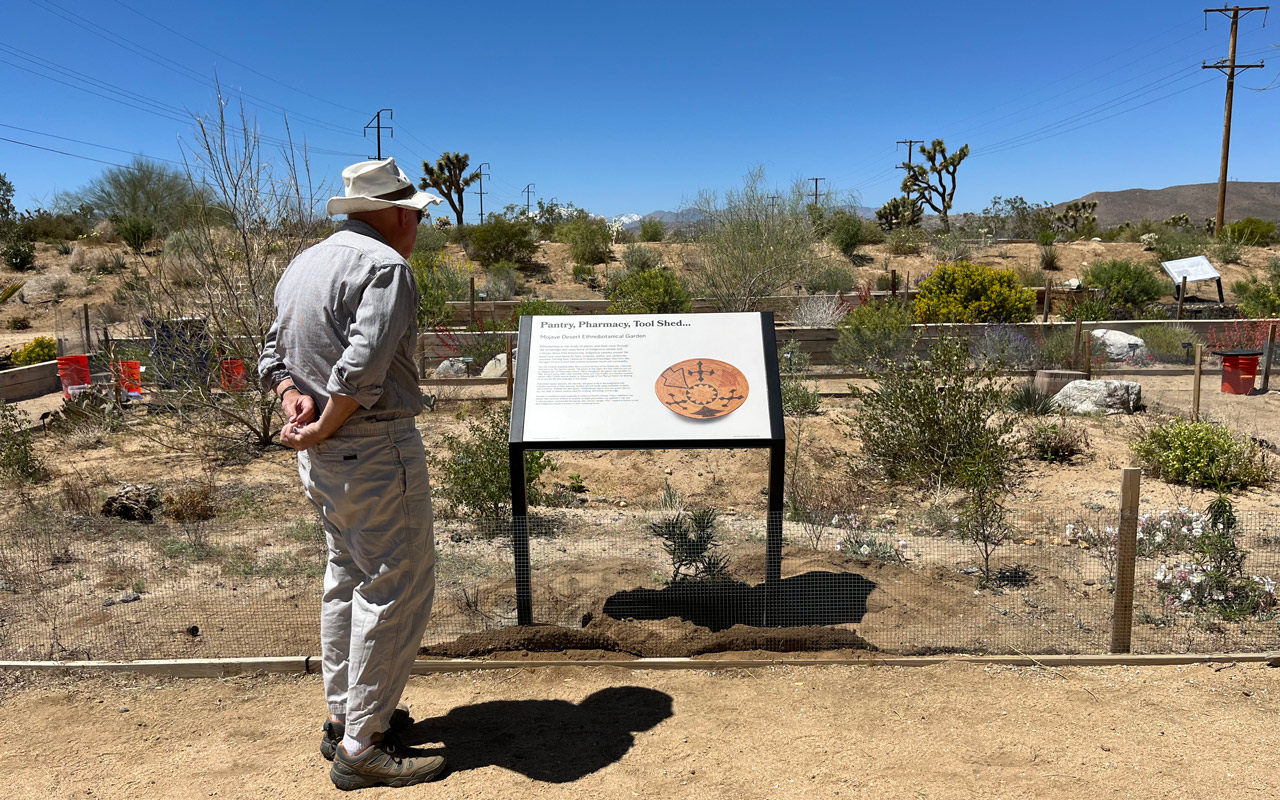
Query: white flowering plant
[871, 543]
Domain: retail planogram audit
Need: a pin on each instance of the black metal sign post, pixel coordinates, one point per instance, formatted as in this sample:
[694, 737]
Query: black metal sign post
[775, 442]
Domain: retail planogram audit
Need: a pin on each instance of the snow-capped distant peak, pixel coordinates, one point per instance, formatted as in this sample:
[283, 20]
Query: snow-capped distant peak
[626, 219]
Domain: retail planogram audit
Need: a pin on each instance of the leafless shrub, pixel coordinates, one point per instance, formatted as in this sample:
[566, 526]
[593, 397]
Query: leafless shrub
[819, 311]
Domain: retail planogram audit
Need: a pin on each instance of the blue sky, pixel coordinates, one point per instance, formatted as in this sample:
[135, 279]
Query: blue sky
[634, 107]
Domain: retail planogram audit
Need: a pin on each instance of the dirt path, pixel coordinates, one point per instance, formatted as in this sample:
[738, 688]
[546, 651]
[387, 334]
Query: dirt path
[950, 731]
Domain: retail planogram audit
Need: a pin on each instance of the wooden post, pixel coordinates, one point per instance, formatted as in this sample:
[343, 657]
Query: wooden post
[88, 332]
[510, 368]
[1086, 349]
[1126, 556]
[1182, 295]
[1075, 346]
[1266, 359]
[473, 300]
[1048, 293]
[893, 283]
[1195, 389]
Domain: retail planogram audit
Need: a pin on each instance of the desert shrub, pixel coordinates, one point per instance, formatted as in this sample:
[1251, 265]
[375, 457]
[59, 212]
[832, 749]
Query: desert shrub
[964, 292]
[797, 398]
[500, 238]
[47, 226]
[113, 264]
[105, 231]
[19, 323]
[1164, 342]
[906, 241]
[1049, 258]
[848, 233]
[58, 288]
[875, 331]
[475, 475]
[585, 273]
[1172, 244]
[1260, 297]
[1228, 250]
[536, 307]
[19, 255]
[1056, 442]
[19, 464]
[937, 422]
[652, 229]
[500, 281]
[1125, 283]
[136, 232]
[1251, 231]
[589, 239]
[640, 257]
[84, 259]
[819, 311]
[830, 280]
[37, 351]
[647, 291]
[949, 248]
[149, 189]
[690, 539]
[65, 248]
[1089, 309]
[430, 239]
[1004, 346]
[194, 501]
[439, 281]
[1027, 399]
[1201, 455]
[1057, 351]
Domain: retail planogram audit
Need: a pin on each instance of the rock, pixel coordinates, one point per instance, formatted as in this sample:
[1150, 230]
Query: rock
[1090, 397]
[110, 601]
[130, 597]
[132, 501]
[8, 586]
[496, 368]
[1090, 582]
[1121, 345]
[1095, 239]
[451, 368]
[1073, 284]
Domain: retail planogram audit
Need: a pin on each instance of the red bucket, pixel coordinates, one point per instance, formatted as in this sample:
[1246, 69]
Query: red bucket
[74, 372]
[130, 375]
[1238, 373]
[231, 371]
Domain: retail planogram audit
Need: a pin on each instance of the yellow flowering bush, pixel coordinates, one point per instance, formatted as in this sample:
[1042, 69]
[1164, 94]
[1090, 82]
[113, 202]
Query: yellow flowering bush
[964, 292]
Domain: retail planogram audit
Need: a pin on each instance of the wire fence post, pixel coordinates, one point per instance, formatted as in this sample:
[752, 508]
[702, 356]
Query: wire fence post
[1266, 359]
[1195, 388]
[1126, 557]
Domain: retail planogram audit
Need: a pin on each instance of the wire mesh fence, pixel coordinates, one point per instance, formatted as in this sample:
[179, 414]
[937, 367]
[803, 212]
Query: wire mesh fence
[657, 584]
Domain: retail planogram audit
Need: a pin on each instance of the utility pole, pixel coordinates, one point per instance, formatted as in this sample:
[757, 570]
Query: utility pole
[908, 143]
[528, 204]
[482, 192]
[773, 204]
[376, 124]
[815, 189]
[1228, 68]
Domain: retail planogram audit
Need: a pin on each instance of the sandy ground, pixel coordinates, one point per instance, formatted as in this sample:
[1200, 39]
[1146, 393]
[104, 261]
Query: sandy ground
[948, 731]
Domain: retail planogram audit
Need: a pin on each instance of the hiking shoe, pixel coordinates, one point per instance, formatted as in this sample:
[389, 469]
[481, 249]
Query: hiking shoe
[334, 731]
[386, 762]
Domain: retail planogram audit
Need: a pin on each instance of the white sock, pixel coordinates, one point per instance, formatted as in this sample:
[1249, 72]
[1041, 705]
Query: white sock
[355, 746]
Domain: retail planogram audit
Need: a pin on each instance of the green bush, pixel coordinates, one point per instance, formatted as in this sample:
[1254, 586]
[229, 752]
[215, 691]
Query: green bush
[1172, 244]
[1125, 283]
[798, 399]
[949, 248]
[1088, 309]
[585, 273]
[1056, 442]
[964, 292]
[1027, 399]
[638, 257]
[1164, 342]
[847, 233]
[439, 281]
[1049, 258]
[1201, 455]
[476, 474]
[588, 238]
[42, 349]
[652, 229]
[1260, 297]
[647, 291]
[19, 465]
[430, 239]
[1251, 231]
[500, 239]
[19, 255]
[906, 241]
[1228, 250]
[874, 332]
[136, 232]
[44, 226]
[500, 281]
[830, 280]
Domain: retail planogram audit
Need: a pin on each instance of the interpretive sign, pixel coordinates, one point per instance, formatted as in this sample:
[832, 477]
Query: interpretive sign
[660, 381]
[638, 378]
[1196, 268]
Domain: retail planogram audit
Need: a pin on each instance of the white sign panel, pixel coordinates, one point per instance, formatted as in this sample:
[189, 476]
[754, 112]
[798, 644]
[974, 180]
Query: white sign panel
[646, 377]
[1196, 268]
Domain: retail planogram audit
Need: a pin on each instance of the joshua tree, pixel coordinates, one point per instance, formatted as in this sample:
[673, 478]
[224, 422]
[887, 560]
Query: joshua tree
[928, 182]
[449, 177]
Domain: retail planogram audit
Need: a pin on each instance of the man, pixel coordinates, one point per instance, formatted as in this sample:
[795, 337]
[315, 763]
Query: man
[340, 356]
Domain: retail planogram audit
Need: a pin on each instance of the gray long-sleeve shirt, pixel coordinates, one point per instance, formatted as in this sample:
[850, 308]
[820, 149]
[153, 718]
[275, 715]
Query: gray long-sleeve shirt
[347, 323]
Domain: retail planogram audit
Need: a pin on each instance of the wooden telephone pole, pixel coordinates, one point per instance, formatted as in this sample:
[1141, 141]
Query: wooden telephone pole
[1228, 68]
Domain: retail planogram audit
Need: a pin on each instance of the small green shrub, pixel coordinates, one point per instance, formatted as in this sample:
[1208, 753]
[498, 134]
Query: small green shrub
[1228, 250]
[500, 281]
[1164, 342]
[19, 255]
[964, 292]
[588, 238]
[1049, 258]
[58, 288]
[500, 238]
[906, 241]
[439, 281]
[476, 474]
[1125, 283]
[65, 248]
[648, 291]
[639, 257]
[1172, 244]
[949, 248]
[19, 323]
[536, 307]
[652, 229]
[41, 349]
[136, 232]
[430, 239]
[1260, 297]
[690, 539]
[1027, 399]
[874, 332]
[585, 273]
[797, 398]
[1201, 455]
[1088, 309]
[19, 464]
[830, 280]
[1251, 231]
[1056, 442]
[848, 233]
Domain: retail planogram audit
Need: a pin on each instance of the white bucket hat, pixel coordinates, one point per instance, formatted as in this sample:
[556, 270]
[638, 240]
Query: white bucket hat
[371, 185]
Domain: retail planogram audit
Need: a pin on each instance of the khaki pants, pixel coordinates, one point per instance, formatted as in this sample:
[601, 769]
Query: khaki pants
[370, 484]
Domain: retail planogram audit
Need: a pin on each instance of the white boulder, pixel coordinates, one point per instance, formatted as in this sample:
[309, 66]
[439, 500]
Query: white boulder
[1120, 345]
[451, 368]
[496, 368]
[1091, 397]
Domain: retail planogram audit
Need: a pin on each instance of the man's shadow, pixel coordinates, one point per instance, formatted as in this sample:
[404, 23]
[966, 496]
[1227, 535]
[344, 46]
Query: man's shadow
[547, 740]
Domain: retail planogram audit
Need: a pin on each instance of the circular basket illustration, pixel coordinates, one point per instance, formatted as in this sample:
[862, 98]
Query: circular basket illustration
[702, 388]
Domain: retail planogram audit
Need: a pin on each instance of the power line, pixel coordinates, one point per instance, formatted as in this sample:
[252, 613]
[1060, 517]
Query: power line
[376, 123]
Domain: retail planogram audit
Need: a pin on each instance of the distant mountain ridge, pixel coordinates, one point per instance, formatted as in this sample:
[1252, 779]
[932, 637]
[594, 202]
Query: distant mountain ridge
[1197, 200]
